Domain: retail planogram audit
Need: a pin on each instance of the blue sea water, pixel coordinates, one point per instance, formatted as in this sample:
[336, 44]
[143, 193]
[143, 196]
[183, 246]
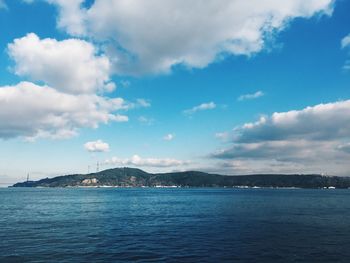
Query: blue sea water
[174, 225]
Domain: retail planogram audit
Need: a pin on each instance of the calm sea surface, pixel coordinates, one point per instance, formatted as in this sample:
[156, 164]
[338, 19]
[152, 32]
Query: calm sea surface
[174, 225]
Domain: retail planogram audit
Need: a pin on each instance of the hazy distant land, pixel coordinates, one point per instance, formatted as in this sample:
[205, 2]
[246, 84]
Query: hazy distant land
[131, 177]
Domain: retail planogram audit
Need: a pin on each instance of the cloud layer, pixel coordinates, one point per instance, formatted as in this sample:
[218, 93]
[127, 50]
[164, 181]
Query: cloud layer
[318, 135]
[29, 110]
[69, 78]
[194, 33]
[320, 122]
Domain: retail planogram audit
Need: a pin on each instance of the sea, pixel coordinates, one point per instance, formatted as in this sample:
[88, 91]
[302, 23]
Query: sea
[174, 225]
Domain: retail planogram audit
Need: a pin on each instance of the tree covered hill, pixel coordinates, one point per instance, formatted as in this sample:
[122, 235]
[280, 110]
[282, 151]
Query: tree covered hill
[131, 177]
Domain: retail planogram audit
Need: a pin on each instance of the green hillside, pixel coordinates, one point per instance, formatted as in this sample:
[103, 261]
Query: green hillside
[131, 177]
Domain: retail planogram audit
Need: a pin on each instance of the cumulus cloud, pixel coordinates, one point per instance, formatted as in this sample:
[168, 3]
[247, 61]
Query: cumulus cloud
[320, 122]
[317, 135]
[201, 107]
[71, 66]
[29, 110]
[145, 162]
[251, 96]
[169, 137]
[96, 146]
[71, 16]
[192, 33]
[345, 43]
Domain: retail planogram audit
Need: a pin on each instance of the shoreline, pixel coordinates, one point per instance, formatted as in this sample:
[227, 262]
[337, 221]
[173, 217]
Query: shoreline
[176, 187]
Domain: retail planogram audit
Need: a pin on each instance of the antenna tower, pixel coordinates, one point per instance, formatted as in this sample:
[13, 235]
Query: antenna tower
[97, 167]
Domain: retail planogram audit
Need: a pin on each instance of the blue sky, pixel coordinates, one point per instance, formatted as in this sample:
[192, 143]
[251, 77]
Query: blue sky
[158, 86]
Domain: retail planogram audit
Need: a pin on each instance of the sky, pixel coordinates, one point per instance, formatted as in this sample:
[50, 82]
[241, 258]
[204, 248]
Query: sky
[229, 86]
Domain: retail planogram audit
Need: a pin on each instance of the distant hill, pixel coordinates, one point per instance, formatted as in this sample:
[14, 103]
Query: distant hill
[131, 177]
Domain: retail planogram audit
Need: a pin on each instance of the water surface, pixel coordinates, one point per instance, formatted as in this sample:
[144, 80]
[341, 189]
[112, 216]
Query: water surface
[174, 225]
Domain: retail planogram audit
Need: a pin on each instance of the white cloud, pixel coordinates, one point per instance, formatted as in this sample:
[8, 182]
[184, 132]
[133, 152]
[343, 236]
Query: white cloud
[96, 146]
[345, 42]
[320, 122]
[201, 107]
[255, 95]
[71, 66]
[316, 136]
[32, 111]
[192, 33]
[145, 162]
[72, 16]
[169, 137]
